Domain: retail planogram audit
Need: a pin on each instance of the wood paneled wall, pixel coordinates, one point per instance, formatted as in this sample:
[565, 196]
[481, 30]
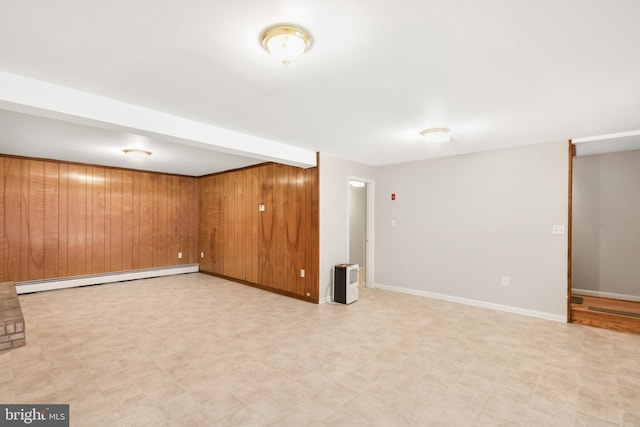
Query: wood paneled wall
[266, 249]
[63, 219]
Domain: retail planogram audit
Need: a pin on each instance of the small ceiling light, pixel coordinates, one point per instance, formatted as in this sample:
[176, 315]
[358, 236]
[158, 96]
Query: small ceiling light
[436, 134]
[136, 153]
[286, 42]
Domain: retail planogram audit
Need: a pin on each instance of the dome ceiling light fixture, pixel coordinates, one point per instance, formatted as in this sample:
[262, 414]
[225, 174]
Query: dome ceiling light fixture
[436, 135]
[136, 153]
[286, 42]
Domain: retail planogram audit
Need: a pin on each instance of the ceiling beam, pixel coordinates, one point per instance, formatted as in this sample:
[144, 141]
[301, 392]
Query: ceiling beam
[25, 95]
[610, 143]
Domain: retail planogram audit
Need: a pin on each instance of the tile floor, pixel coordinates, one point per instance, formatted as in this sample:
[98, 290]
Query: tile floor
[194, 350]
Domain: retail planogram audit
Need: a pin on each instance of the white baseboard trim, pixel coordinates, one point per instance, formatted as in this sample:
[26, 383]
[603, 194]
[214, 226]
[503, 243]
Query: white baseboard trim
[97, 279]
[601, 294]
[476, 303]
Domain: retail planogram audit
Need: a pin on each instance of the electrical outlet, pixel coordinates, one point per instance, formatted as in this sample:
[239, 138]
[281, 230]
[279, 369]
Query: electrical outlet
[505, 281]
[301, 273]
[179, 255]
[557, 229]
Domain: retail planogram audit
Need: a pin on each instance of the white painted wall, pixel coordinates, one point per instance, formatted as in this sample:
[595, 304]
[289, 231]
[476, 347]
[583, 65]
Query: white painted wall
[606, 223]
[585, 245]
[334, 187]
[463, 222]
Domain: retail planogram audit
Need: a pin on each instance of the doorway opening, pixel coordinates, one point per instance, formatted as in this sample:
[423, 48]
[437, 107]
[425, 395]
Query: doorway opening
[360, 227]
[603, 272]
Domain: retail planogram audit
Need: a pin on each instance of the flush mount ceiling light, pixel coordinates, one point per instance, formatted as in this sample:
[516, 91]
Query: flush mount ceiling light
[136, 153]
[286, 42]
[436, 134]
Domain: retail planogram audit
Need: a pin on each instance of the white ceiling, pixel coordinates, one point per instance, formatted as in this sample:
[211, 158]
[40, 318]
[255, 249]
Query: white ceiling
[498, 73]
[33, 136]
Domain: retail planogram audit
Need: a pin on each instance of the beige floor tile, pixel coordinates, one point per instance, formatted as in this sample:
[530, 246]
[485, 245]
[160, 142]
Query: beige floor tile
[356, 382]
[344, 418]
[122, 392]
[609, 412]
[87, 403]
[416, 411]
[488, 420]
[150, 417]
[452, 414]
[628, 378]
[201, 351]
[540, 419]
[512, 407]
[630, 419]
[272, 405]
[251, 392]
[629, 398]
[244, 416]
[296, 418]
[336, 393]
[604, 393]
[516, 384]
[586, 420]
[376, 412]
[221, 407]
[547, 403]
[164, 391]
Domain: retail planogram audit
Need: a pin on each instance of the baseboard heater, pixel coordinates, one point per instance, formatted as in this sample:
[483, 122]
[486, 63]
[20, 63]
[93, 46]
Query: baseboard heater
[97, 279]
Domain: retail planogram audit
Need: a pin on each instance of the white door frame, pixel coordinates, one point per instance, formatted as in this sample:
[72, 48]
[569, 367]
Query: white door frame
[369, 244]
